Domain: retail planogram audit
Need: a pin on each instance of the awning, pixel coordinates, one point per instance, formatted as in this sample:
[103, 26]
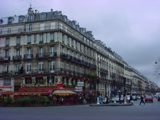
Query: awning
[64, 92]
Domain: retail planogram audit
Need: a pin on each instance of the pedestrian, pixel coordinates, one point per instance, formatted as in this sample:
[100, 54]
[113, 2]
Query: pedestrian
[121, 99]
[142, 100]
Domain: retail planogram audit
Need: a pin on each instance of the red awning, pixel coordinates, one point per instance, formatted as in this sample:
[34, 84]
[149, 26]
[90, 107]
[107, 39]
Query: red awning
[5, 86]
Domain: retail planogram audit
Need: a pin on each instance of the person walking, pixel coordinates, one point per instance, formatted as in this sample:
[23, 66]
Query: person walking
[142, 100]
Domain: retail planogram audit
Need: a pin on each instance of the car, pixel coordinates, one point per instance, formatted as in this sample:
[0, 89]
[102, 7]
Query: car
[149, 99]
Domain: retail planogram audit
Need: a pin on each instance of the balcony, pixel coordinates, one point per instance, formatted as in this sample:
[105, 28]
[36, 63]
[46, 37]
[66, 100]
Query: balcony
[28, 57]
[40, 56]
[51, 54]
[17, 58]
[6, 58]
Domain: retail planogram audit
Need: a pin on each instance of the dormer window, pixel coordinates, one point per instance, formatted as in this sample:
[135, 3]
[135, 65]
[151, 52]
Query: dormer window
[43, 16]
[1, 21]
[31, 17]
[21, 18]
[10, 20]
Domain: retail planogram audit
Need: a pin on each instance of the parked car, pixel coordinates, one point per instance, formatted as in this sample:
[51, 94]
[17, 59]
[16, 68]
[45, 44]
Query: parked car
[149, 99]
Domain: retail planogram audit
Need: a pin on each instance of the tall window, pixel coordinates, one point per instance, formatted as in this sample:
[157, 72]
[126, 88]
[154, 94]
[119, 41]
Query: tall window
[28, 67]
[18, 41]
[19, 29]
[7, 82]
[8, 30]
[17, 52]
[52, 37]
[41, 37]
[51, 66]
[17, 68]
[29, 39]
[6, 68]
[41, 66]
[0, 31]
[62, 64]
[51, 51]
[30, 27]
[41, 51]
[28, 52]
[42, 26]
[6, 53]
[7, 41]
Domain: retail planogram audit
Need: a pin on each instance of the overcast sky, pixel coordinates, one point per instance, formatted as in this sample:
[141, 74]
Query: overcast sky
[131, 28]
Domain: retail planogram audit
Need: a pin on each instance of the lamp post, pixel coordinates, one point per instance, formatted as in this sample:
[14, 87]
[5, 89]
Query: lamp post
[125, 99]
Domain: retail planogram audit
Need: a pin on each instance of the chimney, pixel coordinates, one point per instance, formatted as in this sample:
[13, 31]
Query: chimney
[51, 10]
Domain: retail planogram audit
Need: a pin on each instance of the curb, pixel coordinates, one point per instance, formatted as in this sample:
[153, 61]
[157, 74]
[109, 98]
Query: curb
[112, 104]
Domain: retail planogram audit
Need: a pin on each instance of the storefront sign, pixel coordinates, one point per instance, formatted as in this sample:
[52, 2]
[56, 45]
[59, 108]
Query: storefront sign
[38, 85]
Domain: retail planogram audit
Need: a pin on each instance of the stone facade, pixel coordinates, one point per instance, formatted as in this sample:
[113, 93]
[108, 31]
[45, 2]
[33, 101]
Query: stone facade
[48, 48]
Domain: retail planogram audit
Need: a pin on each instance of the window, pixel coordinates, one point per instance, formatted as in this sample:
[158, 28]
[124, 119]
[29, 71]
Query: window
[17, 52]
[62, 64]
[7, 41]
[53, 25]
[51, 66]
[21, 18]
[52, 37]
[28, 39]
[41, 67]
[18, 40]
[1, 21]
[30, 27]
[7, 82]
[28, 67]
[42, 16]
[17, 68]
[6, 52]
[63, 38]
[31, 17]
[51, 51]
[28, 52]
[0, 31]
[6, 68]
[19, 29]
[8, 30]
[10, 20]
[41, 52]
[42, 26]
[41, 37]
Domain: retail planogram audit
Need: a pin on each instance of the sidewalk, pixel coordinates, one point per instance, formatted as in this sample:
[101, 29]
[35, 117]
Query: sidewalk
[112, 104]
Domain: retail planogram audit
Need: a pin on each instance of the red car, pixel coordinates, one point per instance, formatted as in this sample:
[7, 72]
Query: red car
[149, 99]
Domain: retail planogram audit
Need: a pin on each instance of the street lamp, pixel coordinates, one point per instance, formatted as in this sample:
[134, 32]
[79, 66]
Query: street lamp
[125, 91]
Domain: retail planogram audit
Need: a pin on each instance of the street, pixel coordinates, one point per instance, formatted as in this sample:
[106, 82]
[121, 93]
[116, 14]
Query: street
[149, 111]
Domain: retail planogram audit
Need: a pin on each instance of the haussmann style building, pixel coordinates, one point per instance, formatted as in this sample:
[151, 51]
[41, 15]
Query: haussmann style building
[45, 49]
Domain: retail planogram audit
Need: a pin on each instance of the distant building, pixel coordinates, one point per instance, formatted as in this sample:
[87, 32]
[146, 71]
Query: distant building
[47, 48]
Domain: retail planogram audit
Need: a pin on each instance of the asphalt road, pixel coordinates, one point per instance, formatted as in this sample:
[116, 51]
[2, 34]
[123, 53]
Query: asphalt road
[149, 111]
